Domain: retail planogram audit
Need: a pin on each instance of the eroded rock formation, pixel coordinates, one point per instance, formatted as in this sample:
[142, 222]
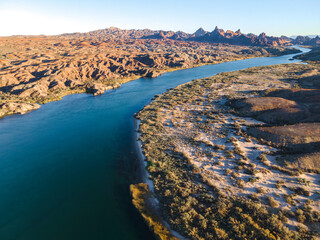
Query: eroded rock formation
[38, 69]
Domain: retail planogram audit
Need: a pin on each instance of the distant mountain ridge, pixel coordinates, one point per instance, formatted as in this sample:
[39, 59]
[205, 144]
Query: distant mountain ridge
[307, 40]
[216, 36]
[310, 36]
[238, 38]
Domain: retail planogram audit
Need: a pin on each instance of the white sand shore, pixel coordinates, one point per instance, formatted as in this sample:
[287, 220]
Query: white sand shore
[145, 178]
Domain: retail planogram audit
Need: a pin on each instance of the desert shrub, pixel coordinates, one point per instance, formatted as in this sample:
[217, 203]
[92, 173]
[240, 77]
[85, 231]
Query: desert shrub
[252, 165]
[254, 197]
[229, 154]
[220, 233]
[303, 181]
[242, 162]
[238, 151]
[302, 228]
[231, 140]
[261, 190]
[290, 200]
[301, 191]
[282, 216]
[279, 184]
[240, 183]
[235, 175]
[196, 169]
[239, 168]
[300, 216]
[264, 171]
[219, 147]
[263, 158]
[272, 202]
[287, 171]
[251, 171]
[220, 163]
[254, 179]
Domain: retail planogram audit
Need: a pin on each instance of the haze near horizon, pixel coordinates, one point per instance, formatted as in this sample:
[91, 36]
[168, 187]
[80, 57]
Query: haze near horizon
[56, 17]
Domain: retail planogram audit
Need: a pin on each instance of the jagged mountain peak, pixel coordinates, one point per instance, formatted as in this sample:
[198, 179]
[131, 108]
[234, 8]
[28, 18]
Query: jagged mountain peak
[200, 32]
[262, 35]
[218, 31]
[218, 35]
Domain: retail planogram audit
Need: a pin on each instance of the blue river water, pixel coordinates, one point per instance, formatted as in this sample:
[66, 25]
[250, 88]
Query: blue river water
[65, 169]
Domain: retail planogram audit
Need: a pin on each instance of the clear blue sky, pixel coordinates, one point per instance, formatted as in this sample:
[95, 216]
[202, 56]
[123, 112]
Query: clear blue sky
[275, 17]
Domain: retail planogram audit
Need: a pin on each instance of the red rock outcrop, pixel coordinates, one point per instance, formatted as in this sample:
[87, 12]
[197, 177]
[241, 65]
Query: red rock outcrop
[45, 68]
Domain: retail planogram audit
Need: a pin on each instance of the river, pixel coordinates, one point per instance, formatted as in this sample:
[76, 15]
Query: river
[65, 169]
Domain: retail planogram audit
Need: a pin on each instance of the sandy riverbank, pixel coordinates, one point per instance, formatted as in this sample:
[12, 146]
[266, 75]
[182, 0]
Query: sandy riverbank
[144, 199]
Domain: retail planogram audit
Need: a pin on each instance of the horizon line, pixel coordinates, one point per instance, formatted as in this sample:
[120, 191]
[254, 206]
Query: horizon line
[81, 32]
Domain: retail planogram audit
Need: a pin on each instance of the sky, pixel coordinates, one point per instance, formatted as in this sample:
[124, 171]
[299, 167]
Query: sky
[274, 17]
